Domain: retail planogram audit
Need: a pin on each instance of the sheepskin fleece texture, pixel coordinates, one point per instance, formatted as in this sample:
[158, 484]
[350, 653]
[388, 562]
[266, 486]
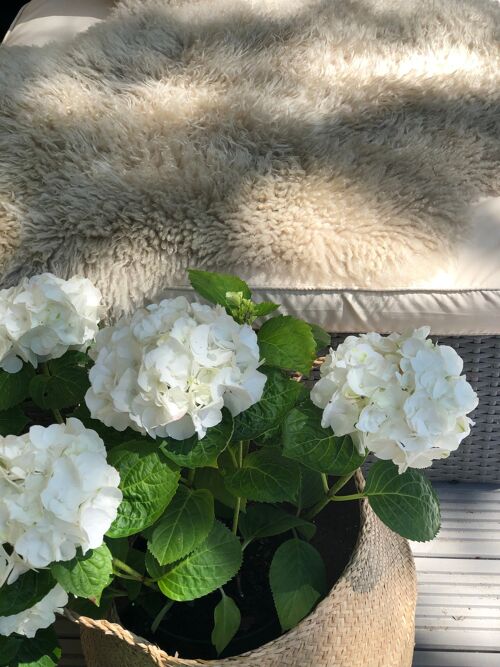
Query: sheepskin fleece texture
[311, 143]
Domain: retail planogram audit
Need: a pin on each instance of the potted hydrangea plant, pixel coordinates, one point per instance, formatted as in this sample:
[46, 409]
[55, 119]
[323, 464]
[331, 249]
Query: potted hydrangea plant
[170, 470]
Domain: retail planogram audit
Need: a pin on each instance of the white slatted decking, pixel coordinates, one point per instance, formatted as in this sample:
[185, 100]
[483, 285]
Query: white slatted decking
[458, 609]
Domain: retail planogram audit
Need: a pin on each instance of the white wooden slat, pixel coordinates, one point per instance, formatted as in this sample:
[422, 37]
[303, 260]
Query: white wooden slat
[69, 639]
[463, 579]
[472, 497]
[462, 621]
[468, 593]
[458, 606]
[470, 523]
[461, 606]
[458, 524]
[440, 610]
[468, 566]
[457, 640]
[461, 549]
[482, 581]
[70, 646]
[454, 659]
[453, 491]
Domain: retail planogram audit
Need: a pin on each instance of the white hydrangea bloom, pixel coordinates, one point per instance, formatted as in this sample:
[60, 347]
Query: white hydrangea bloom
[45, 316]
[170, 369]
[401, 397]
[41, 615]
[57, 492]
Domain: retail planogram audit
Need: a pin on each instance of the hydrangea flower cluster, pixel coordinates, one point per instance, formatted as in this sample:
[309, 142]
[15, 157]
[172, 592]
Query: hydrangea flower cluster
[41, 615]
[170, 369]
[57, 493]
[44, 316]
[401, 397]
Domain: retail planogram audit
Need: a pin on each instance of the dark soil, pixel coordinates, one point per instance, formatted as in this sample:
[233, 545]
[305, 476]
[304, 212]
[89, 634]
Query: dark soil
[187, 627]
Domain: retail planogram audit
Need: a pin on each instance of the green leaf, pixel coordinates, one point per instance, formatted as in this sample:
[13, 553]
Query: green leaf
[265, 476]
[209, 566]
[9, 648]
[185, 524]
[262, 520]
[195, 453]
[14, 387]
[12, 421]
[306, 441]
[29, 589]
[40, 651]
[265, 308]
[227, 619]
[265, 417]
[298, 580]
[71, 358]
[148, 484]
[287, 343]
[153, 567]
[321, 337]
[406, 503]
[214, 286]
[211, 479]
[86, 576]
[310, 490]
[65, 387]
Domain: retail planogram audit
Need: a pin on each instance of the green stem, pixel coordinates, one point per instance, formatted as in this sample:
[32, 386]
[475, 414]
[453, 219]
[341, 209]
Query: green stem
[117, 573]
[127, 569]
[159, 617]
[340, 483]
[128, 572]
[116, 593]
[190, 476]
[57, 415]
[237, 506]
[240, 453]
[316, 509]
[353, 496]
[324, 479]
[331, 495]
[233, 457]
[236, 515]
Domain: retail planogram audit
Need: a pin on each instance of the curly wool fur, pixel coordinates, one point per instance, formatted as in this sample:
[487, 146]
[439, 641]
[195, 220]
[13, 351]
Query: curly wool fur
[326, 143]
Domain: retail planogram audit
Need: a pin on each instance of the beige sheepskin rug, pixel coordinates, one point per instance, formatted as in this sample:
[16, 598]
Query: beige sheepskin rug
[311, 143]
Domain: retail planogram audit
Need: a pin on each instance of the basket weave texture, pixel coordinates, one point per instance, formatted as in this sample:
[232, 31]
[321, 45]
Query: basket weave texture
[367, 620]
[478, 457]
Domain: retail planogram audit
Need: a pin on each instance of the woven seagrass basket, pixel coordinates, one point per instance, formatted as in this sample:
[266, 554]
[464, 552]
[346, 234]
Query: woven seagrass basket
[367, 620]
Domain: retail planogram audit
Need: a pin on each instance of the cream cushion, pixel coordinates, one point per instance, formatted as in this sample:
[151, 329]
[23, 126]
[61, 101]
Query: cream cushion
[462, 300]
[42, 21]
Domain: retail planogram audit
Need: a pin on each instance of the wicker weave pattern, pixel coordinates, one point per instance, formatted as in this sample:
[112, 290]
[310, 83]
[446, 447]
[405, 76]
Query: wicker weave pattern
[367, 620]
[478, 457]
